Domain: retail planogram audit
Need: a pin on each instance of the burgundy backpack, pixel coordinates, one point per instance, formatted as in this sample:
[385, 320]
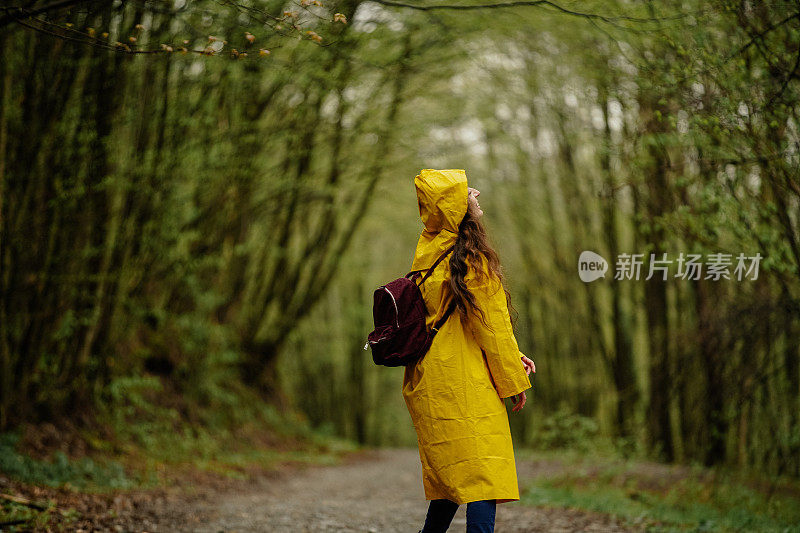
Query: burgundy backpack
[401, 335]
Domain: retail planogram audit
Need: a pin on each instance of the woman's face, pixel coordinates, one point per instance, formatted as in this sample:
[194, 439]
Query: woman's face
[472, 197]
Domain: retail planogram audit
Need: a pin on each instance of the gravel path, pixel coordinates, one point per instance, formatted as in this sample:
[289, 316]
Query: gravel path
[379, 491]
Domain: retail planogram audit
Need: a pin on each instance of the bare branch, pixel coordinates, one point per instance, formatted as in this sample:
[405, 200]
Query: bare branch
[532, 3]
[759, 36]
[14, 13]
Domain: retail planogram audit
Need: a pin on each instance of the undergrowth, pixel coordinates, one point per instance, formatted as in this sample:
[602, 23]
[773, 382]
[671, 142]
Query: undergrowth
[147, 434]
[665, 498]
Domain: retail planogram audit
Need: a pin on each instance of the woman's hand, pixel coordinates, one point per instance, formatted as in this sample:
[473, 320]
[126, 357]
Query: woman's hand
[519, 401]
[529, 365]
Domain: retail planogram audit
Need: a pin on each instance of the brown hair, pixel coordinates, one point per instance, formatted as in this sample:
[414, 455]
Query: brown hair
[471, 242]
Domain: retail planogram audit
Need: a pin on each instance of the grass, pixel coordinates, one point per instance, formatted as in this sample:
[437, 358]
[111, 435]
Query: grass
[185, 457]
[82, 474]
[157, 429]
[663, 498]
[148, 438]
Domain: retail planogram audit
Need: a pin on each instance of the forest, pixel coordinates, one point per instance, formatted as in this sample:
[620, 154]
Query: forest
[198, 199]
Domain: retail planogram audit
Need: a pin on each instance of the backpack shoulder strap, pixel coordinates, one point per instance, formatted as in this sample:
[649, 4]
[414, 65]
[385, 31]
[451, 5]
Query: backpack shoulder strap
[445, 316]
[433, 266]
[452, 306]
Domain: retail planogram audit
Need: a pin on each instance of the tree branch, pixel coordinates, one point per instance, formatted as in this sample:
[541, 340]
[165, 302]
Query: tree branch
[530, 3]
[13, 13]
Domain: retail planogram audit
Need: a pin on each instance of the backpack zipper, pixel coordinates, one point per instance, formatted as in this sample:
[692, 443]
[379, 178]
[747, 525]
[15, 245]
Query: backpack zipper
[396, 312]
[376, 341]
[396, 318]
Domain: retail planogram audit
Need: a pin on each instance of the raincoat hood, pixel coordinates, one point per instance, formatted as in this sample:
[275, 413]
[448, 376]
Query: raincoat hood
[442, 199]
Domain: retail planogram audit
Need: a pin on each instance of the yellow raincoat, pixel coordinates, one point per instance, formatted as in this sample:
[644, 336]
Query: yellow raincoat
[454, 393]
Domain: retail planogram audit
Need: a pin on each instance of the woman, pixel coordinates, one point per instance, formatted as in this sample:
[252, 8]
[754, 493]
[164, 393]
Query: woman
[455, 392]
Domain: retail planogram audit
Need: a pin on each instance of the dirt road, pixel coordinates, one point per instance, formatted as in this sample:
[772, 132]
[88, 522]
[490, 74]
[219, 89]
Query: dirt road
[377, 491]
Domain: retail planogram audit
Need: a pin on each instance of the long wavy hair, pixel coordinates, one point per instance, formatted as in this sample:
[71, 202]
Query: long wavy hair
[471, 242]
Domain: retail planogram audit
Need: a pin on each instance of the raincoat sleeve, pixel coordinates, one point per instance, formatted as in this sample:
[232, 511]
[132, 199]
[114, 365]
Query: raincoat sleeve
[497, 342]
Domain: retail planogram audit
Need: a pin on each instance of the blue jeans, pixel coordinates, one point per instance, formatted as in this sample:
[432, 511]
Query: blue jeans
[480, 516]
